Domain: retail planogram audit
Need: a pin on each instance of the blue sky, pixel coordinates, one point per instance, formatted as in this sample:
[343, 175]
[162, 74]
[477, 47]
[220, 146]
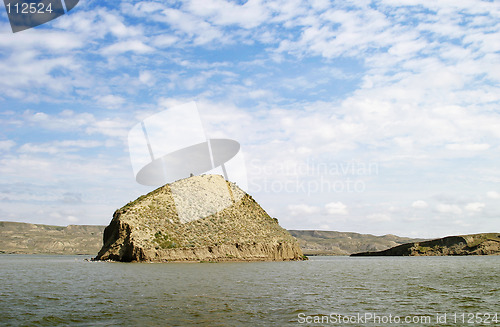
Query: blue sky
[363, 116]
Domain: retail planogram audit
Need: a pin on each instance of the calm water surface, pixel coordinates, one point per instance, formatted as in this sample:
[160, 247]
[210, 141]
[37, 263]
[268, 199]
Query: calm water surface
[66, 290]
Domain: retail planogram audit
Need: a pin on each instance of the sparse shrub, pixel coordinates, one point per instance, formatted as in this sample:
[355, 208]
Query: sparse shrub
[164, 241]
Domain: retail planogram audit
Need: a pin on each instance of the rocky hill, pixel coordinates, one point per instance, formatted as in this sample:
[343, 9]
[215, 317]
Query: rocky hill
[474, 244]
[317, 242]
[201, 218]
[45, 239]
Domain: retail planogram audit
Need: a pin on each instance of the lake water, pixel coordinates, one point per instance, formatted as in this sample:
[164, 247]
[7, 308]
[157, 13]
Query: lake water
[324, 291]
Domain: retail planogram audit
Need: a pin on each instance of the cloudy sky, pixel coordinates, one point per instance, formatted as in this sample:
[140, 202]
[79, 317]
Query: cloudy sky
[362, 116]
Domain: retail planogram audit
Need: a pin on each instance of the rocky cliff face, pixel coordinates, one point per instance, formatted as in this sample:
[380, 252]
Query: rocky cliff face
[201, 218]
[475, 244]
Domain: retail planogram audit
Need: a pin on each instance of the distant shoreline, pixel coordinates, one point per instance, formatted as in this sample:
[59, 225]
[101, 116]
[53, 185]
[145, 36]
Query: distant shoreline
[26, 238]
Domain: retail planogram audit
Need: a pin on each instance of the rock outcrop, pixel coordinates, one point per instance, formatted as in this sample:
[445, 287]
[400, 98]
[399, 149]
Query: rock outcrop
[201, 218]
[474, 244]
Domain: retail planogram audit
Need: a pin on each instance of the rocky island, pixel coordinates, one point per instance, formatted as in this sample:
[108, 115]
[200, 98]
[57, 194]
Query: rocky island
[200, 218]
[474, 244]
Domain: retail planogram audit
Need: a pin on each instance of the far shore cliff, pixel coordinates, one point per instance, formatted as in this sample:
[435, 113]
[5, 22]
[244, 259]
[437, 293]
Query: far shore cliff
[473, 244]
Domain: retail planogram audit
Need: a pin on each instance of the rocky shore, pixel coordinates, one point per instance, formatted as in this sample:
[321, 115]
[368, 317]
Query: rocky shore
[474, 244]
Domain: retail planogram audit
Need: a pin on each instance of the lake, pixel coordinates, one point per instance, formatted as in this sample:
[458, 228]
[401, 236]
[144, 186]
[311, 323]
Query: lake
[324, 291]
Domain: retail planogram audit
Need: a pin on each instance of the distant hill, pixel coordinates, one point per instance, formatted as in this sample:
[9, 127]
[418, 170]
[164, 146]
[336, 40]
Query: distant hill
[473, 244]
[26, 238]
[47, 239]
[318, 242]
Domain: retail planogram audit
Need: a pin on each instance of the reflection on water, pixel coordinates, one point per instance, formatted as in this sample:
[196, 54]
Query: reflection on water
[66, 290]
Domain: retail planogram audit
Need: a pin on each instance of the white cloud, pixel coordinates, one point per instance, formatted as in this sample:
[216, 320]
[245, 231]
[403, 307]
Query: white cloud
[461, 223]
[66, 120]
[146, 77]
[166, 103]
[111, 101]
[493, 195]
[6, 145]
[475, 207]
[26, 70]
[219, 12]
[197, 30]
[164, 41]
[48, 64]
[72, 219]
[114, 128]
[302, 209]
[59, 146]
[98, 22]
[56, 42]
[449, 209]
[117, 28]
[85, 123]
[336, 208]
[468, 147]
[341, 32]
[121, 47]
[143, 8]
[31, 148]
[419, 204]
[378, 217]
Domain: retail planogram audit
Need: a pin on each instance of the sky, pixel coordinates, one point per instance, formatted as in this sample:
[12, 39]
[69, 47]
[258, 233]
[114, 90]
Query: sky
[357, 116]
